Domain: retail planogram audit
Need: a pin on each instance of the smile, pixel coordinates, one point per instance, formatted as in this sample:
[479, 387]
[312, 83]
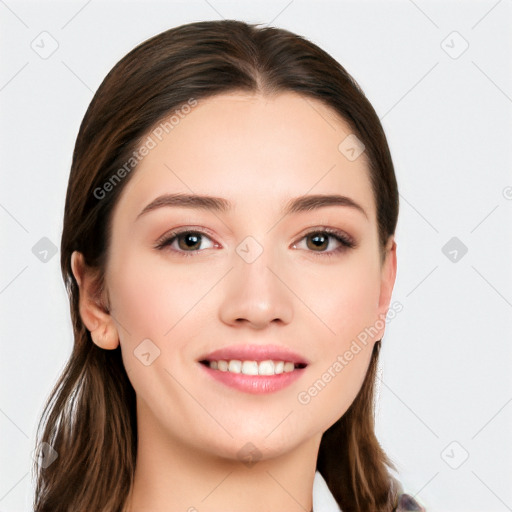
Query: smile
[267, 367]
[251, 368]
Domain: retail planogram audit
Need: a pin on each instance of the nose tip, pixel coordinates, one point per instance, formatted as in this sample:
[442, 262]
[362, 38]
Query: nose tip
[255, 297]
[258, 317]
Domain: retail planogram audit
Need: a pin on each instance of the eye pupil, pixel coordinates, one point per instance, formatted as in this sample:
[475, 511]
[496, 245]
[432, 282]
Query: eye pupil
[318, 240]
[195, 239]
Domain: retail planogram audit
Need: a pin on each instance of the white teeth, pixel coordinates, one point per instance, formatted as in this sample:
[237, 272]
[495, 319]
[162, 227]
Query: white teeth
[235, 366]
[267, 367]
[288, 367]
[250, 368]
[221, 365]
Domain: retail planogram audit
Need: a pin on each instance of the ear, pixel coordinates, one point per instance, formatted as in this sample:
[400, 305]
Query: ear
[387, 282]
[94, 314]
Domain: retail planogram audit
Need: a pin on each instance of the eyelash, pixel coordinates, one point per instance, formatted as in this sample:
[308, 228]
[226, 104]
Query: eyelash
[346, 241]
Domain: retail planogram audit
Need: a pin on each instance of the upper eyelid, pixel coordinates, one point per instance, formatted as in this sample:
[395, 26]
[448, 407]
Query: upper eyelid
[186, 229]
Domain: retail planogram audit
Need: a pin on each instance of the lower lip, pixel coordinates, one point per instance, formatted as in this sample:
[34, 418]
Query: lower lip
[255, 384]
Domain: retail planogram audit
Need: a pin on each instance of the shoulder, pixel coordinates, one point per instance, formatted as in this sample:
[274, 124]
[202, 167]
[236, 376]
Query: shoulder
[406, 503]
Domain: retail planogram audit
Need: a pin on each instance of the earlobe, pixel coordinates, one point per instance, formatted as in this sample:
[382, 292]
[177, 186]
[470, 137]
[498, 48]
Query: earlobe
[94, 316]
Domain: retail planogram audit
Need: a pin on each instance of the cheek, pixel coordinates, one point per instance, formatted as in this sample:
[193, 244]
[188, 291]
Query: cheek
[342, 297]
[152, 296]
[152, 300]
[345, 300]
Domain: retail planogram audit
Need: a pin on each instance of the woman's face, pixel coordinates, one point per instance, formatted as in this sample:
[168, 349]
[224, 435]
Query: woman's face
[247, 274]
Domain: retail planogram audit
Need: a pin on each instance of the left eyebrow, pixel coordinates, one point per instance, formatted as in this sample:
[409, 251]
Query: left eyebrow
[312, 202]
[295, 205]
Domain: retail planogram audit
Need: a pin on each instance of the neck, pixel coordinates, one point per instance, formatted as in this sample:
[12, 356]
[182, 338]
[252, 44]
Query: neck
[171, 475]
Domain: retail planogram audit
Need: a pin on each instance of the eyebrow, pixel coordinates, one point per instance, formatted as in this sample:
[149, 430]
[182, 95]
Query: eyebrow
[218, 204]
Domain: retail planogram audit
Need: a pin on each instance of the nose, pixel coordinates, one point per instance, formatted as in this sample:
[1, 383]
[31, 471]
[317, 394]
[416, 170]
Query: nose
[254, 294]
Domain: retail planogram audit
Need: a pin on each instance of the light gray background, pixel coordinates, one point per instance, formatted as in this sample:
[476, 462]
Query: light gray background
[446, 388]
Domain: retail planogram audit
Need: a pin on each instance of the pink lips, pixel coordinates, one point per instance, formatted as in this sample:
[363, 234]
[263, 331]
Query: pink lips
[254, 384]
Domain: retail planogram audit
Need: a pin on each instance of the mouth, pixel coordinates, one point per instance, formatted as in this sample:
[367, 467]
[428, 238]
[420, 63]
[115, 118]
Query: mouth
[250, 367]
[254, 369]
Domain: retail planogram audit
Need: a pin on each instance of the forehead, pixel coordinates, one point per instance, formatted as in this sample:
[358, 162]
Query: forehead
[256, 151]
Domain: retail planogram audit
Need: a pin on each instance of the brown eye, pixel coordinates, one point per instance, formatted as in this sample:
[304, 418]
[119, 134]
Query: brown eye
[184, 242]
[318, 241]
[189, 240]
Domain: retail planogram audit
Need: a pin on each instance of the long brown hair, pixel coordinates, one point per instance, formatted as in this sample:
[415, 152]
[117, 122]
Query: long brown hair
[89, 420]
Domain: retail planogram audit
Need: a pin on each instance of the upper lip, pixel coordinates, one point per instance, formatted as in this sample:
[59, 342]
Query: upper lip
[254, 353]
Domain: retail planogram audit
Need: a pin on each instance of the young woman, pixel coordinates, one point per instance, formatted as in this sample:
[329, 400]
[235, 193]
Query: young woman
[228, 249]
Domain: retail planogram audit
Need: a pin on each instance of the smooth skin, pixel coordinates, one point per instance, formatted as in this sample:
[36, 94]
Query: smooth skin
[257, 152]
